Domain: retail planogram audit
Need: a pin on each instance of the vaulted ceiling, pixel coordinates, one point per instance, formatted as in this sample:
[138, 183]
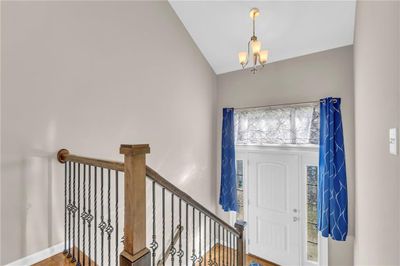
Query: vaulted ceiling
[287, 29]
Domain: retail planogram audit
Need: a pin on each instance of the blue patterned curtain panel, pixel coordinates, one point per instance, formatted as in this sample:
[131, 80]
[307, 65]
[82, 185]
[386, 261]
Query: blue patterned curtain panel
[227, 195]
[332, 186]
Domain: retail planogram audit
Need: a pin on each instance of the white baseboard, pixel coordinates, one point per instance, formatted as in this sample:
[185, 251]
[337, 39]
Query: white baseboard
[38, 256]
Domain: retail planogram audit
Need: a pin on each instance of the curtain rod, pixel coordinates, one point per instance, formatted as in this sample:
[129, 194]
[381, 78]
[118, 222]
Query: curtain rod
[282, 104]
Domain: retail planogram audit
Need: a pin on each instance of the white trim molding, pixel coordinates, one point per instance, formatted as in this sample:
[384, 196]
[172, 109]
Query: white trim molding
[38, 256]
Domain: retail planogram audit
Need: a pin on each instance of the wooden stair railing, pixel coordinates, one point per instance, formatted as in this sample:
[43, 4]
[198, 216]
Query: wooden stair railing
[98, 224]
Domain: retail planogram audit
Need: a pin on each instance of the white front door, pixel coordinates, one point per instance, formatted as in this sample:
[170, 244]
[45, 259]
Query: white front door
[273, 204]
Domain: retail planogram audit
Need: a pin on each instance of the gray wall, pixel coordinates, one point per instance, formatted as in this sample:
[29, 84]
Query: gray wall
[302, 79]
[89, 76]
[377, 108]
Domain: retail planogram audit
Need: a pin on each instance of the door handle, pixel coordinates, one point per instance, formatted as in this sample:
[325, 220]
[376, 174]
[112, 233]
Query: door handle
[295, 219]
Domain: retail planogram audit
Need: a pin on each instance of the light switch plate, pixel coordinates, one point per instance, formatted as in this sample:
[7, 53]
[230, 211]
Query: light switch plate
[393, 141]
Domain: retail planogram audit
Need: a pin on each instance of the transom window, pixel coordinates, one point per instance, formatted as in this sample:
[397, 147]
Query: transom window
[291, 124]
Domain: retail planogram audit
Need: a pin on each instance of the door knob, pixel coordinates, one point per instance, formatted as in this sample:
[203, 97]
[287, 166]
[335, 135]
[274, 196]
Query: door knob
[295, 219]
[295, 210]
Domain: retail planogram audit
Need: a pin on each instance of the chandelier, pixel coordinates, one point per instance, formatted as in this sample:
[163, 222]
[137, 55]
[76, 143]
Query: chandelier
[259, 57]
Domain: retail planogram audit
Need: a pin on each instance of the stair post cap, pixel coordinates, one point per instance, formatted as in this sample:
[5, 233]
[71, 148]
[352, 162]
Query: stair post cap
[136, 149]
[240, 224]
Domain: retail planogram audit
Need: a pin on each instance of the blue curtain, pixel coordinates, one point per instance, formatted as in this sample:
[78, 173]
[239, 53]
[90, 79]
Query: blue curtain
[227, 195]
[332, 187]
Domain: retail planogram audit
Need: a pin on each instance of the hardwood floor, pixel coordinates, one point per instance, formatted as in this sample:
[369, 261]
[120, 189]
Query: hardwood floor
[227, 253]
[61, 260]
[251, 258]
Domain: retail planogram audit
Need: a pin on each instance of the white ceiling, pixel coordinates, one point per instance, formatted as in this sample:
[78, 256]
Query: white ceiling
[287, 29]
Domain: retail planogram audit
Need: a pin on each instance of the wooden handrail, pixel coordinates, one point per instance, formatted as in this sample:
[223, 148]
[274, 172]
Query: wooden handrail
[152, 174]
[64, 156]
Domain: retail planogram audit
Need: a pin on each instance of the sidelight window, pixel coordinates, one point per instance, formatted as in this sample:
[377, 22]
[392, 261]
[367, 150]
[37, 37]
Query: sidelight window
[239, 183]
[312, 230]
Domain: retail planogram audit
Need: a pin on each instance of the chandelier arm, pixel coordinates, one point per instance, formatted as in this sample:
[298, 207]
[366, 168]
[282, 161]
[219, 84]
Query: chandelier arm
[259, 61]
[248, 52]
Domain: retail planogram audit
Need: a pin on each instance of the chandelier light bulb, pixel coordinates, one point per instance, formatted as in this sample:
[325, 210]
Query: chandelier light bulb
[263, 56]
[255, 47]
[243, 58]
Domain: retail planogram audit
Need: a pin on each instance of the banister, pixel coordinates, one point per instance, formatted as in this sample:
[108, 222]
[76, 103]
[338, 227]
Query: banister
[135, 171]
[152, 174]
[63, 156]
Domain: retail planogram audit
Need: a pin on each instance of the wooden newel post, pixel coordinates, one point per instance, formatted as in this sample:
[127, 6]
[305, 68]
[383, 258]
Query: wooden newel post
[239, 225]
[135, 251]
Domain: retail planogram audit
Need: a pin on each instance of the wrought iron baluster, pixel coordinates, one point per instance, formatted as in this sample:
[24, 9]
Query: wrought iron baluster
[205, 240]
[209, 243]
[89, 217]
[223, 247]
[116, 218]
[79, 210]
[226, 246]
[73, 213]
[84, 216]
[235, 248]
[200, 255]
[65, 207]
[163, 226]
[102, 224]
[69, 255]
[194, 257]
[215, 243]
[172, 250]
[219, 244]
[180, 252]
[187, 234]
[95, 216]
[230, 248]
[154, 243]
[109, 228]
